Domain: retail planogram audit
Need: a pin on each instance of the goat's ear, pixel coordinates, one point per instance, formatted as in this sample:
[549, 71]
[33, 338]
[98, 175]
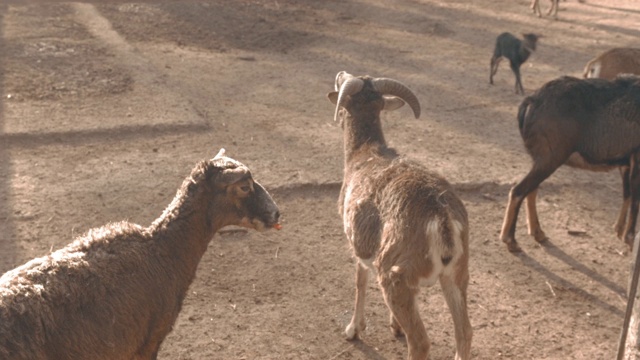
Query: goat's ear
[232, 176]
[392, 103]
[220, 154]
[333, 97]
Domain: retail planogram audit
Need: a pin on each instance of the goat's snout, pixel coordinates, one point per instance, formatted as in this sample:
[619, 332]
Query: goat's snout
[264, 214]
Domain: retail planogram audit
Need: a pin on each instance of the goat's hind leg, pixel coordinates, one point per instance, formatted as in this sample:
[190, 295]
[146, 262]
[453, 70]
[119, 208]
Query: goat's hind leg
[554, 8]
[358, 323]
[495, 61]
[454, 288]
[535, 7]
[534, 178]
[626, 201]
[401, 300]
[634, 187]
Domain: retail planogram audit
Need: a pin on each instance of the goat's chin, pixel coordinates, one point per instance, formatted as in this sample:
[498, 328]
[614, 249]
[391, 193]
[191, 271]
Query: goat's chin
[255, 224]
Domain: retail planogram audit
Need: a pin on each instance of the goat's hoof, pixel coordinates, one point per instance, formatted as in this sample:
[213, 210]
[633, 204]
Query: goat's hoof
[628, 239]
[396, 330]
[513, 247]
[353, 331]
[540, 237]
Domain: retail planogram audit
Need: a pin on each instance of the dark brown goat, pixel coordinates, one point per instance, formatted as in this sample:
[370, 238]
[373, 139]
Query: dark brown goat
[401, 220]
[608, 65]
[115, 292]
[516, 51]
[592, 124]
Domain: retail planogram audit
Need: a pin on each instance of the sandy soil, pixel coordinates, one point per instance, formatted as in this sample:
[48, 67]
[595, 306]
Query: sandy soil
[105, 108]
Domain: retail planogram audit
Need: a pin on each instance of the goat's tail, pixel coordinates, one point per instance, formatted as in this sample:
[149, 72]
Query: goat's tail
[448, 236]
[522, 111]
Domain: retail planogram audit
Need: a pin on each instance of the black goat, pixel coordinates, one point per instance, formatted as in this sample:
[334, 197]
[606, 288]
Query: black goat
[516, 50]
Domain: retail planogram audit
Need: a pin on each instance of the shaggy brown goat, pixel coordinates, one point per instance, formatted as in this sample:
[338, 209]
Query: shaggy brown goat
[115, 292]
[592, 124]
[401, 220]
[516, 51]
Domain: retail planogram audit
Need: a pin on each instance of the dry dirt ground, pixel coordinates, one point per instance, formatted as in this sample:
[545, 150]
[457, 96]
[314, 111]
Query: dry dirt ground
[105, 108]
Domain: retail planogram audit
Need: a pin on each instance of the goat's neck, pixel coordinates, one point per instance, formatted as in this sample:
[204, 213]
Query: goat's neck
[360, 132]
[185, 229]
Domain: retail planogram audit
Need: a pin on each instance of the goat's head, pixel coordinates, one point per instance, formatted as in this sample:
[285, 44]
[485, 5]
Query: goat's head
[530, 40]
[387, 94]
[243, 200]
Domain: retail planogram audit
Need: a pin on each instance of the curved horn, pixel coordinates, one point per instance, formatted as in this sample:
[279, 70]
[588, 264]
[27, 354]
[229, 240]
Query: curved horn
[341, 78]
[393, 87]
[350, 86]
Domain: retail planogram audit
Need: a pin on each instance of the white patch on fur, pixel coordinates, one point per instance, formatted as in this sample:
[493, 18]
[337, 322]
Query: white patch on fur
[458, 228]
[435, 253]
[437, 250]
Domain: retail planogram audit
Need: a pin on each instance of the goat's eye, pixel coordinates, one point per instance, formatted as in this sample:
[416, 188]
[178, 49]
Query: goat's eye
[245, 188]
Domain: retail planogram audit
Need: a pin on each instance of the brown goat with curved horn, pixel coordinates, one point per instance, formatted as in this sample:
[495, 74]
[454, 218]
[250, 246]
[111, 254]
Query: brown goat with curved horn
[401, 220]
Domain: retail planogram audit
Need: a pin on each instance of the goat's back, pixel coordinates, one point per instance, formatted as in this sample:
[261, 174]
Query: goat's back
[90, 300]
[597, 118]
[514, 49]
[507, 45]
[406, 200]
[613, 62]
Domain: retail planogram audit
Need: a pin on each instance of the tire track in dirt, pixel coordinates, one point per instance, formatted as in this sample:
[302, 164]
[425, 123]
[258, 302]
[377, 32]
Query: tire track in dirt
[7, 245]
[127, 55]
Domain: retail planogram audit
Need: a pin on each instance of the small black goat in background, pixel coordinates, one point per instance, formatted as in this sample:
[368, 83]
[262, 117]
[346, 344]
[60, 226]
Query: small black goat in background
[516, 50]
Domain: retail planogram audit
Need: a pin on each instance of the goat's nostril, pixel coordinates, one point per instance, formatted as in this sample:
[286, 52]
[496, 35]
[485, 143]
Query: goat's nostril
[277, 215]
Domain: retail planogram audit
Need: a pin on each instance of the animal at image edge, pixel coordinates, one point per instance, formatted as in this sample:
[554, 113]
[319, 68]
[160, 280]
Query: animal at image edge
[115, 292]
[592, 124]
[612, 63]
[402, 221]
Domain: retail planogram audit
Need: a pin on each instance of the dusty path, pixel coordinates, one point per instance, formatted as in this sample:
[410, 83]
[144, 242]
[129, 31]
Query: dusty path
[106, 106]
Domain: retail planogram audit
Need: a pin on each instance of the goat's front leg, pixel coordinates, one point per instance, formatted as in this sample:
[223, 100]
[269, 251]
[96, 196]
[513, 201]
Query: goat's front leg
[533, 224]
[495, 61]
[358, 323]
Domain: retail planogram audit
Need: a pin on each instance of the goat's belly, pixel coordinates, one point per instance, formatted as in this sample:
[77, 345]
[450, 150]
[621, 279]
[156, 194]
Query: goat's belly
[577, 161]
